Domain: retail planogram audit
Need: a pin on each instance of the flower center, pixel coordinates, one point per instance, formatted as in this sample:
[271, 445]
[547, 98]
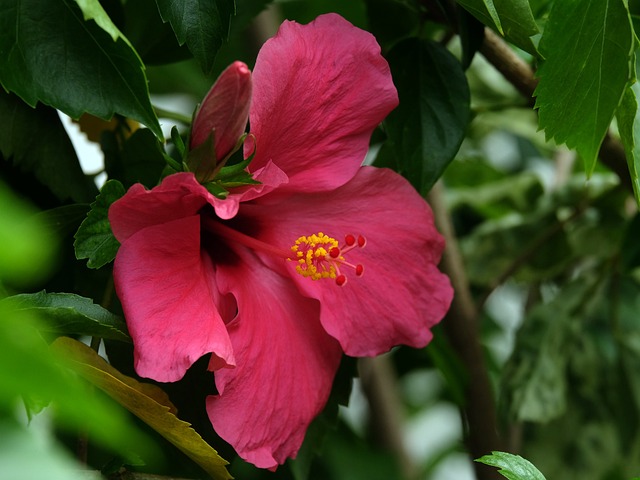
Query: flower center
[317, 256]
[320, 256]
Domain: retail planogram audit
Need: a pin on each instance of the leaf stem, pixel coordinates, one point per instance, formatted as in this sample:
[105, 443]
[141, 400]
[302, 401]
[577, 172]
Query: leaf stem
[178, 117]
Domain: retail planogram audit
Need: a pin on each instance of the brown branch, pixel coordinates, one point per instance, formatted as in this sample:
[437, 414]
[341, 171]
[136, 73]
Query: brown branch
[462, 329]
[386, 413]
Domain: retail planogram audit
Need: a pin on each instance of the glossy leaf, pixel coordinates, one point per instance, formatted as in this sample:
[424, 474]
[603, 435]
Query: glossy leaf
[146, 401]
[94, 239]
[427, 128]
[67, 313]
[52, 159]
[54, 56]
[586, 71]
[202, 24]
[513, 467]
[512, 18]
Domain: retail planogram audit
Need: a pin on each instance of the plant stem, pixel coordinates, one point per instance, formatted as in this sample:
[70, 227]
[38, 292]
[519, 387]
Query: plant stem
[178, 117]
[386, 409]
[462, 329]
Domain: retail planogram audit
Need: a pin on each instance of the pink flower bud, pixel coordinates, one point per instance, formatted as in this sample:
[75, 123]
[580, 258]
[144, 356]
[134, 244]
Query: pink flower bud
[224, 111]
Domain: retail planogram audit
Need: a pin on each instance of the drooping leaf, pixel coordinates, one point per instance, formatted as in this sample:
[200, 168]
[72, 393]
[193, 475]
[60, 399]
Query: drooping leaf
[94, 239]
[202, 24]
[586, 71]
[513, 467]
[54, 56]
[67, 313]
[146, 401]
[51, 159]
[428, 126]
[513, 19]
[628, 115]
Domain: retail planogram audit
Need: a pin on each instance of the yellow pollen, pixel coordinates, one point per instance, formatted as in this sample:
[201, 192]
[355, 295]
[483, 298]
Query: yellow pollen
[321, 256]
[311, 252]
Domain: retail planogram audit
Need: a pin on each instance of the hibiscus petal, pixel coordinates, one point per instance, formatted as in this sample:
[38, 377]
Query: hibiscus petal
[319, 91]
[179, 195]
[402, 294]
[285, 365]
[167, 290]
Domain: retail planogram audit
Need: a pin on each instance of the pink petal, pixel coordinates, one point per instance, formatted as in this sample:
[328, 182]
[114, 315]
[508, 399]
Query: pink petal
[169, 299]
[401, 294]
[285, 365]
[319, 91]
[225, 110]
[180, 195]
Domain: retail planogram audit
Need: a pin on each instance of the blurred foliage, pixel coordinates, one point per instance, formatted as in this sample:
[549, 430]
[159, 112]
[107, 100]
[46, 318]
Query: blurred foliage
[552, 257]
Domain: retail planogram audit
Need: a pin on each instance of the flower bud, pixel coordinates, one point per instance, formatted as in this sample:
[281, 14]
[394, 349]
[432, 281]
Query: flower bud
[224, 111]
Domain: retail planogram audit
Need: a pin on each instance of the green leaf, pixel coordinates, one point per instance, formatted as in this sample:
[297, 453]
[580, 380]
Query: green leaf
[628, 115]
[512, 18]
[67, 313]
[147, 402]
[513, 467]
[66, 219]
[52, 159]
[202, 24]
[32, 370]
[57, 58]
[588, 48]
[138, 159]
[94, 239]
[428, 126]
[27, 245]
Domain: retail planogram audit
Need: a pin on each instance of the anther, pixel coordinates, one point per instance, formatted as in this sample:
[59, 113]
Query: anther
[320, 256]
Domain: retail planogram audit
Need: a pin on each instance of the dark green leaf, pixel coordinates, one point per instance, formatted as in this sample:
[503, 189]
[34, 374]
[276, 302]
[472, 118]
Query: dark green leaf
[94, 238]
[202, 24]
[64, 220]
[51, 159]
[588, 49]
[428, 126]
[51, 54]
[67, 313]
[628, 115]
[513, 467]
[390, 21]
[138, 159]
[512, 18]
[153, 39]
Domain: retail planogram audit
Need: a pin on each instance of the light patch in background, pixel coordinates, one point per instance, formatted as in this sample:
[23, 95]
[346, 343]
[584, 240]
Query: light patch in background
[89, 153]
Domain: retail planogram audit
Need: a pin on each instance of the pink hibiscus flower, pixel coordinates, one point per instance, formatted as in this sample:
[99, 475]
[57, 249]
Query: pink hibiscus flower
[276, 281]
